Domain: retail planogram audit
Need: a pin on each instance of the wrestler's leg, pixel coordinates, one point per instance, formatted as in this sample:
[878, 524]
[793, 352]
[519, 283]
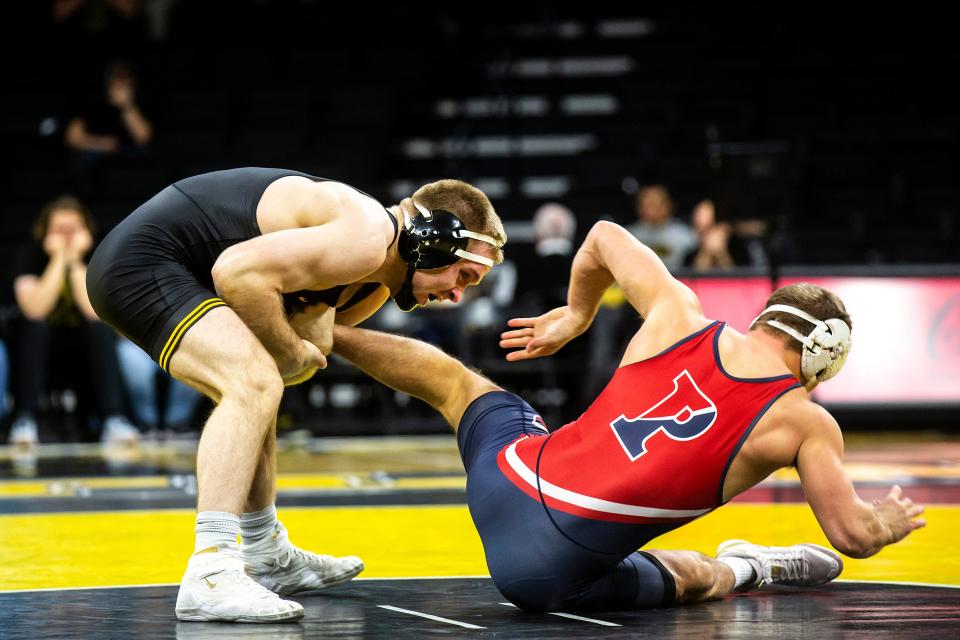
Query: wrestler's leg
[222, 358]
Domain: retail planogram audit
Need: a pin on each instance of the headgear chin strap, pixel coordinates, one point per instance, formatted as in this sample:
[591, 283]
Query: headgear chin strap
[405, 298]
[825, 349]
[433, 239]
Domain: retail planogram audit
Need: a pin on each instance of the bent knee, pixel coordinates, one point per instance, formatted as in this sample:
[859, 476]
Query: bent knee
[221, 357]
[256, 384]
[470, 386]
[534, 594]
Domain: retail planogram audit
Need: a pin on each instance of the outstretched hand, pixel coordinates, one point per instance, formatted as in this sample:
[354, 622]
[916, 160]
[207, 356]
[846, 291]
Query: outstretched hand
[897, 512]
[543, 335]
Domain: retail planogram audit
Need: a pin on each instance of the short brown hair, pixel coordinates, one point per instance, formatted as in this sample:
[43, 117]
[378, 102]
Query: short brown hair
[466, 202]
[821, 303]
[657, 188]
[61, 203]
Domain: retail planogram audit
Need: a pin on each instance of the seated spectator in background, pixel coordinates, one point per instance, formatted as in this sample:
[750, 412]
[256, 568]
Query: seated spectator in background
[111, 126]
[742, 242]
[543, 285]
[50, 288]
[714, 250]
[143, 378]
[669, 238]
[542, 282]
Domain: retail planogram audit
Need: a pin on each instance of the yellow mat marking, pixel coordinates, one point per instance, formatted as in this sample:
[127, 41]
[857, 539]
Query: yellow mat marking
[70, 486]
[285, 482]
[150, 547]
[454, 480]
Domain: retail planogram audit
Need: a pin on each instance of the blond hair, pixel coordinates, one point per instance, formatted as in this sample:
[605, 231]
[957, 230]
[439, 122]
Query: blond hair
[814, 299]
[469, 204]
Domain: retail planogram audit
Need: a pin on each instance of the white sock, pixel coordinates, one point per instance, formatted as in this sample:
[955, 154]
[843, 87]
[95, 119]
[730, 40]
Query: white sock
[216, 527]
[743, 571]
[258, 524]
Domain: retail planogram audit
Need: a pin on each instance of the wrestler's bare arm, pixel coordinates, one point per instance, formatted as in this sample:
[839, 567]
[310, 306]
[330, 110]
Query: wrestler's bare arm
[854, 528]
[252, 275]
[608, 254]
[611, 254]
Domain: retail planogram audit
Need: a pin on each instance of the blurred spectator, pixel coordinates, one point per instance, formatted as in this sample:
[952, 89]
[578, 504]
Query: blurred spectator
[144, 381]
[554, 227]
[110, 126]
[750, 242]
[542, 282]
[51, 292]
[542, 285]
[740, 242]
[714, 249]
[762, 243]
[669, 238]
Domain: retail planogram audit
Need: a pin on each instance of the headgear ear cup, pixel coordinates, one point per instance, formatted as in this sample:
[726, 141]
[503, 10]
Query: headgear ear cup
[825, 348]
[433, 239]
[437, 238]
[834, 340]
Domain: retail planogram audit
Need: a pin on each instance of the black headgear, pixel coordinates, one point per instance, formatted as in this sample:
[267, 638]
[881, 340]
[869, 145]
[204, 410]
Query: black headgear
[433, 239]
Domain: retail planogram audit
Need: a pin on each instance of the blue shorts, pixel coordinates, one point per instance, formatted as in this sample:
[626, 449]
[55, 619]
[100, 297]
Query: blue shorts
[533, 559]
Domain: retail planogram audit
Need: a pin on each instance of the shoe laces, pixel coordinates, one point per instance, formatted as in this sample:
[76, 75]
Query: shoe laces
[789, 565]
[312, 560]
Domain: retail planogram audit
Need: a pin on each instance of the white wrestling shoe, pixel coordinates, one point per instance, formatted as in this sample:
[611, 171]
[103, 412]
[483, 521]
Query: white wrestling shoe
[286, 569]
[800, 565]
[119, 430]
[23, 432]
[216, 588]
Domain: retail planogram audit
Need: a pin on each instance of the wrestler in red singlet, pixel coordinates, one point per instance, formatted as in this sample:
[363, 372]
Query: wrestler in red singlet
[656, 444]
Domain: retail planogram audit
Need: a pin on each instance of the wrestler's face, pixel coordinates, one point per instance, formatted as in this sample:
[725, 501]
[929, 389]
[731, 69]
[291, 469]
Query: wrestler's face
[447, 283]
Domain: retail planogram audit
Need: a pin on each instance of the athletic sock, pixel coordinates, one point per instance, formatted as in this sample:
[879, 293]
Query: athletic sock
[743, 571]
[258, 524]
[216, 527]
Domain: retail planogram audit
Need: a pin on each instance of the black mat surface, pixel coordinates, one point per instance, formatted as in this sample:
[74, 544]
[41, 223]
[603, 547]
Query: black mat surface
[846, 610]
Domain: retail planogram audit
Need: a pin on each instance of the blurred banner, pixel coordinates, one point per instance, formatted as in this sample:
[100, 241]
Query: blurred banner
[906, 340]
[906, 333]
[736, 301]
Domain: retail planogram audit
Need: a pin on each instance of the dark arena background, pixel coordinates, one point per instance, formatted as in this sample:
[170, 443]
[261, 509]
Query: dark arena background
[792, 144]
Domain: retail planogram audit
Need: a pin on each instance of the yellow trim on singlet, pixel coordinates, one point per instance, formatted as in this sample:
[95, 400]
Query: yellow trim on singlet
[174, 340]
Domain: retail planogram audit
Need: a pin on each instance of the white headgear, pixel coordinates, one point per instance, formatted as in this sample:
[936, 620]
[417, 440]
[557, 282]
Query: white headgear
[825, 349]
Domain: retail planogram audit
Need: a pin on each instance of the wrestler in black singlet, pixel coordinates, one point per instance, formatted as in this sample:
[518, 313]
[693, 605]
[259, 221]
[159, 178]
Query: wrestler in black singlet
[151, 278]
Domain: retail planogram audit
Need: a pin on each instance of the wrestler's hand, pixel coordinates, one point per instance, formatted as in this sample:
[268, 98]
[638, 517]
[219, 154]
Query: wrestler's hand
[897, 513]
[543, 335]
[315, 325]
[302, 366]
